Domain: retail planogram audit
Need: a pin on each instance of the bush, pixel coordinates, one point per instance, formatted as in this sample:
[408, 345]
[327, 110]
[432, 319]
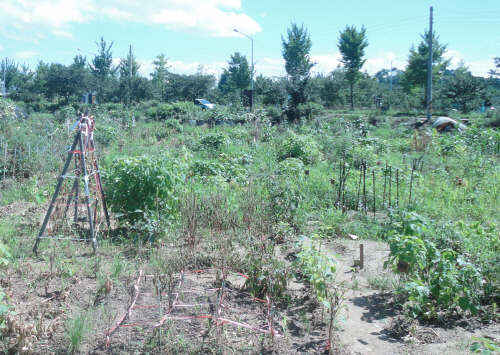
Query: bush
[299, 146]
[214, 141]
[105, 134]
[290, 166]
[135, 185]
[172, 123]
[184, 107]
[310, 110]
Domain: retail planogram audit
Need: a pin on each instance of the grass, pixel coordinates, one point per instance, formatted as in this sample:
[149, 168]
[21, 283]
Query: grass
[77, 327]
[247, 211]
[380, 282]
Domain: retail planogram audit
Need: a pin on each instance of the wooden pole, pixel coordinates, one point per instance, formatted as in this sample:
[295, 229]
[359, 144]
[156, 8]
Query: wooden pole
[361, 256]
[374, 195]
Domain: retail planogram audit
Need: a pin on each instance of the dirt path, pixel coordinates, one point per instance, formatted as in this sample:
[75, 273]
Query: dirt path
[364, 320]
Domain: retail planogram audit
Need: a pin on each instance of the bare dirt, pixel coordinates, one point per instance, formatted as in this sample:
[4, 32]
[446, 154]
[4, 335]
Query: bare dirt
[372, 323]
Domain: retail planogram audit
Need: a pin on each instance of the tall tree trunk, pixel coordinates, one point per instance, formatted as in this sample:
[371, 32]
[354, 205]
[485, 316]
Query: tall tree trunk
[352, 101]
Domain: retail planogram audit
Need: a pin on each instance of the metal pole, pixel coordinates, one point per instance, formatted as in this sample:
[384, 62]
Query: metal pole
[130, 62]
[251, 104]
[429, 72]
[56, 192]
[87, 193]
[4, 86]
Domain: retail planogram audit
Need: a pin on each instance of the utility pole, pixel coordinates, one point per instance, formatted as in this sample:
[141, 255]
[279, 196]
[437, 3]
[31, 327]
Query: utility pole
[130, 61]
[4, 84]
[429, 72]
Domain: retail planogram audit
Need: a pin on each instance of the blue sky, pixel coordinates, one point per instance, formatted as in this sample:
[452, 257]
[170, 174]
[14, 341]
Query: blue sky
[193, 32]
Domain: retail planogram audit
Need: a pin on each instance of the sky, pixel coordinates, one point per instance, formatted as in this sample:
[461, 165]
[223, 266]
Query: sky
[191, 32]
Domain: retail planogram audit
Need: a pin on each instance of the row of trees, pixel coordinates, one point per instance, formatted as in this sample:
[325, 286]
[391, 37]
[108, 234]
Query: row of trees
[345, 86]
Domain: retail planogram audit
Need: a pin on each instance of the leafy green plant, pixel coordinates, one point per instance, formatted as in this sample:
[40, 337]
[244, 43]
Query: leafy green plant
[134, 184]
[214, 141]
[302, 147]
[318, 267]
[484, 346]
[173, 124]
[433, 278]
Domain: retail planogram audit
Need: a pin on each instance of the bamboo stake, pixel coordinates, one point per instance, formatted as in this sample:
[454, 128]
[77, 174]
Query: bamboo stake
[397, 187]
[5, 160]
[374, 195]
[385, 183]
[364, 187]
[390, 184]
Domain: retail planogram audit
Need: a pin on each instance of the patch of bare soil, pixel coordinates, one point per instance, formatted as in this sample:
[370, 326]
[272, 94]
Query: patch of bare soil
[374, 323]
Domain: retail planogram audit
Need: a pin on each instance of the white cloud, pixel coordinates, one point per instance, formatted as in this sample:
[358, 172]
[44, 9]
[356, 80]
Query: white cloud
[215, 18]
[326, 63]
[25, 55]
[477, 68]
[22, 18]
[383, 61]
[1, 47]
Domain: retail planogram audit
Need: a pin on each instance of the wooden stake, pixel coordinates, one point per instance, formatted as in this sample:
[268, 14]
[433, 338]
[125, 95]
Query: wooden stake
[390, 184]
[361, 257]
[397, 187]
[374, 195]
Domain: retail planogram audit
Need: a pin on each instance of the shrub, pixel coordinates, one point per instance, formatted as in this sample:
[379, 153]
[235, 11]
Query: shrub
[290, 166]
[299, 146]
[215, 141]
[135, 185]
[172, 123]
[164, 111]
[184, 107]
[105, 134]
[310, 110]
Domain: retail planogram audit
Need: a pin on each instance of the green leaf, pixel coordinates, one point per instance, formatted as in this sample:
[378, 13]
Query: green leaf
[464, 303]
[474, 347]
[474, 310]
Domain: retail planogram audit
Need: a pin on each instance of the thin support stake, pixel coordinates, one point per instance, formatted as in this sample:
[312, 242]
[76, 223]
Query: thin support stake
[56, 192]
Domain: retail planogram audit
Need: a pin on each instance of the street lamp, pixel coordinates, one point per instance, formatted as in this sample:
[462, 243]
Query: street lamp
[251, 103]
[391, 70]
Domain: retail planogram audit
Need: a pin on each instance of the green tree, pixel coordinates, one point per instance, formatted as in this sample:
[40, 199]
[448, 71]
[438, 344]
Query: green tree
[331, 87]
[495, 73]
[40, 79]
[11, 69]
[352, 44]
[465, 90]
[298, 64]
[269, 91]
[102, 64]
[296, 48]
[239, 72]
[415, 73]
[159, 77]
[124, 66]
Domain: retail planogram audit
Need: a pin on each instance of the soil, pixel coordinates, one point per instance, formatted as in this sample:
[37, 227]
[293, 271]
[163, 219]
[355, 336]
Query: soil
[373, 321]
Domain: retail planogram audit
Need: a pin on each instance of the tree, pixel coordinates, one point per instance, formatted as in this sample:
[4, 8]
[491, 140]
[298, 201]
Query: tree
[269, 91]
[496, 73]
[239, 72]
[159, 76]
[298, 64]
[124, 66]
[352, 44]
[102, 64]
[331, 87]
[415, 73]
[11, 72]
[465, 90]
[296, 50]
